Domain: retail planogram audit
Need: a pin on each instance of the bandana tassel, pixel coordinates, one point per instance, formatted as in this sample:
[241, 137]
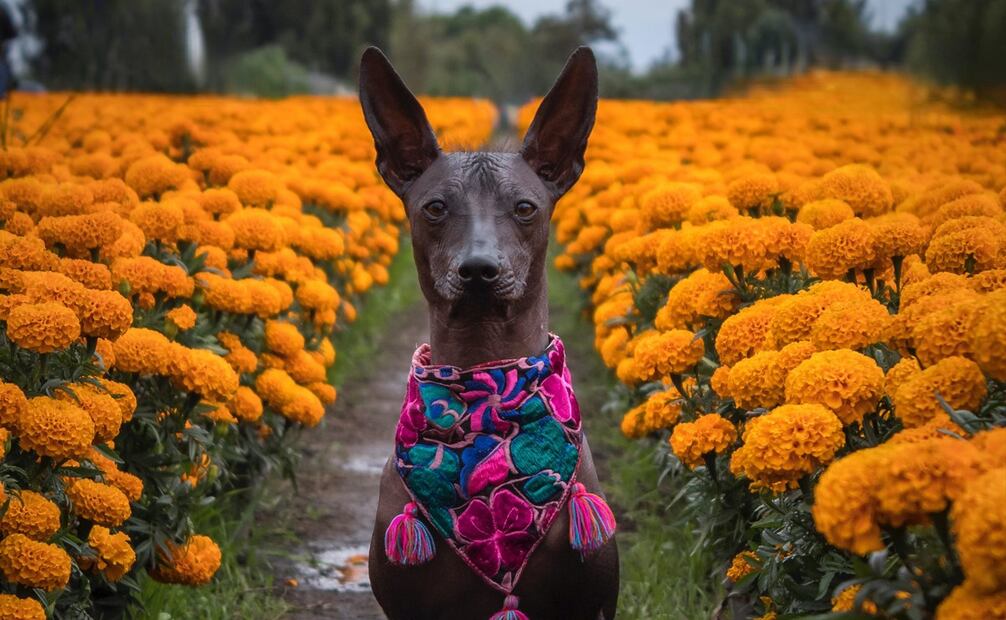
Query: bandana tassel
[407, 541]
[509, 611]
[591, 522]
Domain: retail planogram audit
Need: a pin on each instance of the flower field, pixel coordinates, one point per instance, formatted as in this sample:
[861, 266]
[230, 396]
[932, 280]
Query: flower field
[802, 291]
[171, 270]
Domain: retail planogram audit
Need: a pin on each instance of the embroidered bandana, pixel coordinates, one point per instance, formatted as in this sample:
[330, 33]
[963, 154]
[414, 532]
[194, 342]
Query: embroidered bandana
[489, 455]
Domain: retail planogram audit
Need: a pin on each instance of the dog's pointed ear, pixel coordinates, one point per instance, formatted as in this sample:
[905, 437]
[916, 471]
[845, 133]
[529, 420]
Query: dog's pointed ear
[557, 138]
[406, 145]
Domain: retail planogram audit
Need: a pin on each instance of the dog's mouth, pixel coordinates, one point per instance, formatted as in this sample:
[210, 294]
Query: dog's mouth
[477, 296]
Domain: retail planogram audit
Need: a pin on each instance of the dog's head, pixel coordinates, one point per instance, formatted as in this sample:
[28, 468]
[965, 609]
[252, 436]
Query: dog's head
[479, 219]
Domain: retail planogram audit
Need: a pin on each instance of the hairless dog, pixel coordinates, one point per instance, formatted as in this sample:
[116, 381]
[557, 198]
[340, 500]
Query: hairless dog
[501, 500]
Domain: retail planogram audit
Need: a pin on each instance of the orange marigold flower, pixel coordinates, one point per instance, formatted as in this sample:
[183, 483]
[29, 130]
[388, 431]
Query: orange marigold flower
[846, 601]
[965, 603]
[847, 382]
[661, 410]
[56, 428]
[79, 234]
[202, 372]
[753, 192]
[43, 327]
[246, 405]
[757, 381]
[255, 188]
[906, 368]
[860, 186]
[123, 396]
[666, 205]
[13, 405]
[104, 411]
[632, 426]
[104, 314]
[193, 563]
[666, 353]
[317, 296]
[699, 296]
[326, 393]
[709, 434]
[91, 275]
[979, 527]
[153, 175]
[31, 514]
[741, 566]
[183, 317]
[257, 229]
[34, 564]
[747, 332]
[16, 608]
[821, 214]
[219, 201]
[114, 555]
[846, 246]
[986, 337]
[143, 351]
[788, 443]
[957, 380]
[945, 332]
[851, 325]
[100, 503]
[161, 221]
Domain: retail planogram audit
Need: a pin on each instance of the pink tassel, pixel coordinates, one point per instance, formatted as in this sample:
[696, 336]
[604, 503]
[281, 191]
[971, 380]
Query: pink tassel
[509, 611]
[591, 523]
[407, 541]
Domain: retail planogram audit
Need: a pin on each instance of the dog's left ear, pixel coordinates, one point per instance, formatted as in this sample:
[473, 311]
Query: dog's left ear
[406, 144]
[557, 138]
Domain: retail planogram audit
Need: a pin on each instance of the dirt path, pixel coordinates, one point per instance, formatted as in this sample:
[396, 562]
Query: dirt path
[332, 515]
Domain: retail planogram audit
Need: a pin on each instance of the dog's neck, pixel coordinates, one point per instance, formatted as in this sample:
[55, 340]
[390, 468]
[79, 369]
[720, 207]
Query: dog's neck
[466, 341]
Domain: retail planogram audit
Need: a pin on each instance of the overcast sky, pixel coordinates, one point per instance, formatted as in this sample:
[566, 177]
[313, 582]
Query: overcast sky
[646, 26]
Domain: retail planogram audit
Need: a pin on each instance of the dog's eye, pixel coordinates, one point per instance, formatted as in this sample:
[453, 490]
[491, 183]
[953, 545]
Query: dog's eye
[525, 210]
[435, 210]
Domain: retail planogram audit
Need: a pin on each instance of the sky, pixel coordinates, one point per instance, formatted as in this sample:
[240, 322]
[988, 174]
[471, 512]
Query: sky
[646, 26]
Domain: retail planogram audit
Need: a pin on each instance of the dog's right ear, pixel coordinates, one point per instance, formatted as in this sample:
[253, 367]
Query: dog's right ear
[406, 145]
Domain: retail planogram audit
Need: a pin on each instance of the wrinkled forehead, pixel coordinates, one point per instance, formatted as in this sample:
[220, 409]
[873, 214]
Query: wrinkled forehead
[482, 174]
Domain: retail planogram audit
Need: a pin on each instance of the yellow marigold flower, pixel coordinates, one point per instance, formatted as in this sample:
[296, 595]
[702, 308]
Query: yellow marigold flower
[860, 186]
[979, 526]
[753, 192]
[43, 328]
[55, 428]
[964, 603]
[255, 188]
[741, 566]
[788, 443]
[846, 601]
[709, 434]
[34, 564]
[986, 337]
[851, 325]
[846, 246]
[957, 380]
[153, 175]
[114, 555]
[142, 350]
[31, 514]
[246, 405]
[666, 205]
[104, 314]
[100, 406]
[15, 608]
[847, 382]
[906, 368]
[747, 332]
[100, 503]
[202, 372]
[256, 229]
[821, 214]
[671, 352]
[13, 405]
[193, 563]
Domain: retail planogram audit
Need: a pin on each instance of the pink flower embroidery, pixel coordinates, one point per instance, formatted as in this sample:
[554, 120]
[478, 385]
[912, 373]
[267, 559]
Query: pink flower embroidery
[497, 533]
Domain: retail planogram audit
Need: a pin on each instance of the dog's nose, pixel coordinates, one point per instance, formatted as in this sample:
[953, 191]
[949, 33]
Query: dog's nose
[479, 267]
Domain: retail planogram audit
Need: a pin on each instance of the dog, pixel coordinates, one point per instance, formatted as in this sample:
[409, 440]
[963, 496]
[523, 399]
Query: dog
[480, 228]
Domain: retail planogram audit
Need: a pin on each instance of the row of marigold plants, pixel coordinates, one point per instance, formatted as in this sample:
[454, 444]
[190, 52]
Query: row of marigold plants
[802, 292]
[172, 271]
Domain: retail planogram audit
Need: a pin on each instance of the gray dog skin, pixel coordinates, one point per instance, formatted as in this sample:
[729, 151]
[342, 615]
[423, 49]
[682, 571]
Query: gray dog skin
[480, 229]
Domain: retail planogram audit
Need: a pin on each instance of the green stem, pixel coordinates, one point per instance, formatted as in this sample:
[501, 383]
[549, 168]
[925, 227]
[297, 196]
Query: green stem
[942, 526]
